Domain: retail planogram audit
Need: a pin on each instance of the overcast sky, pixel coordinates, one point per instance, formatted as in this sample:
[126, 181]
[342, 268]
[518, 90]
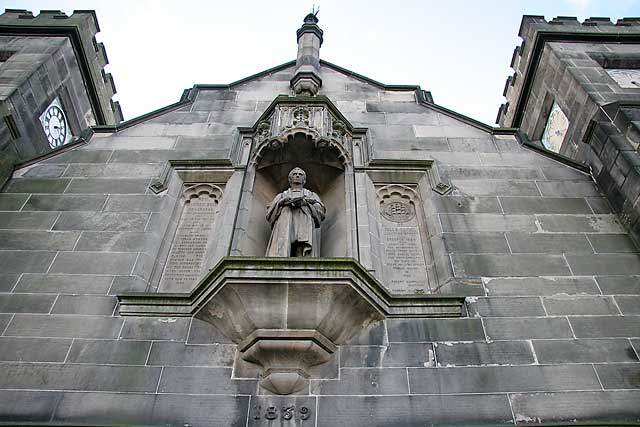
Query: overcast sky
[458, 50]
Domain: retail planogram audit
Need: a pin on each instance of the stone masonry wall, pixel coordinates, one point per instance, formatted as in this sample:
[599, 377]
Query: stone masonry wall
[552, 335]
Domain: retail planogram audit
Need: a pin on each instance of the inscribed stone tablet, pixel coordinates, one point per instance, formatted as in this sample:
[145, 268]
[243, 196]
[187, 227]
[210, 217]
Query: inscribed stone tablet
[404, 266]
[189, 245]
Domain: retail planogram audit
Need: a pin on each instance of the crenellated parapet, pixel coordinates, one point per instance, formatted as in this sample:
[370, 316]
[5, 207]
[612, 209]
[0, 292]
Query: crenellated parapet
[535, 32]
[81, 28]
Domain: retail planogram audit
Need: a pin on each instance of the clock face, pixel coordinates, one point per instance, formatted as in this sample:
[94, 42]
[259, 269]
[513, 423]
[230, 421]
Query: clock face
[626, 78]
[55, 125]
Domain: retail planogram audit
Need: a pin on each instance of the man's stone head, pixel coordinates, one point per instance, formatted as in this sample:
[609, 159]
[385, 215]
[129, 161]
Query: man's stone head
[297, 176]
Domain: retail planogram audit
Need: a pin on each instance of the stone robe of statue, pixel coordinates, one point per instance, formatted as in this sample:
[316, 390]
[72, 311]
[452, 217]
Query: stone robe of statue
[293, 215]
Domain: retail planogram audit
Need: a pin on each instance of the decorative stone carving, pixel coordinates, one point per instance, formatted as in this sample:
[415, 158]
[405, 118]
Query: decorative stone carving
[289, 314]
[398, 211]
[293, 215]
[316, 121]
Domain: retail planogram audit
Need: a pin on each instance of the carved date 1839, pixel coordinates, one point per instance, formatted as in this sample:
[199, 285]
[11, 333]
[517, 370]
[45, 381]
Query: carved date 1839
[287, 413]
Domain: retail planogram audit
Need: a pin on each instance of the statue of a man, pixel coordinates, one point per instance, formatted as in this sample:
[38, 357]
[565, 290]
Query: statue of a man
[293, 215]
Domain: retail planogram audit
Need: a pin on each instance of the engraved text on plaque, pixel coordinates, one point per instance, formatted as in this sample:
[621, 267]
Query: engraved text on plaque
[190, 244]
[405, 270]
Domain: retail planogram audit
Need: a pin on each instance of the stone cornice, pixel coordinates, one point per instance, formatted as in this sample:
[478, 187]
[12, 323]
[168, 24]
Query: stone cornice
[277, 269]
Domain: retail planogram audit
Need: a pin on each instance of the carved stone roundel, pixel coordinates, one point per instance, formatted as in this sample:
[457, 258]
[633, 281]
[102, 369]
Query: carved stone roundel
[398, 211]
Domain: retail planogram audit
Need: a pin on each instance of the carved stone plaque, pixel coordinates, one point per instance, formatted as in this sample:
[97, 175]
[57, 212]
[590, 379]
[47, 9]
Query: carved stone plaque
[185, 261]
[405, 270]
[403, 261]
[397, 211]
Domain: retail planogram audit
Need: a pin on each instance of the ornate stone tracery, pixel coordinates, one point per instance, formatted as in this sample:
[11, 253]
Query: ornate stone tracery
[315, 121]
[397, 202]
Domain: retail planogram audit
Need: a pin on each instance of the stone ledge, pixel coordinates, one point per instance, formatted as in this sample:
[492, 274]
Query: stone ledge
[264, 271]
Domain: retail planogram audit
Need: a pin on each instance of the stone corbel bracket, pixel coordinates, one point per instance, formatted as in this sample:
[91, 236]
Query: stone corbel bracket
[438, 184]
[161, 182]
[289, 314]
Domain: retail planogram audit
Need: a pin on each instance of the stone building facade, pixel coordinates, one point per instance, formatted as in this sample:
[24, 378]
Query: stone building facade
[464, 275]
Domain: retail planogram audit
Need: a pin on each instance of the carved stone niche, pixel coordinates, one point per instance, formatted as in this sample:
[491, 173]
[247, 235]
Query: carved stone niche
[288, 314]
[309, 133]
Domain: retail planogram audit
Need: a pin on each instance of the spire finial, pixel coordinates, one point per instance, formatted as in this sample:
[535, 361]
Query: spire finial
[312, 18]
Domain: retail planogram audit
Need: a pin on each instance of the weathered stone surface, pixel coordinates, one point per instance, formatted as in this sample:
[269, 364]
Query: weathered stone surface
[579, 224]
[107, 186]
[509, 265]
[93, 263]
[393, 355]
[541, 286]
[567, 189]
[123, 284]
[604, 407]
[465, 204]
[605, 326]
[475, 243]
[203, 381]
[64, 202]
[28, 406]
[101, 221]
[611, 243]
[604, 264]
[628, 304]
[134, 203]
[429, 330]
[37, 185]
[115, 170]
[43, 376]
[180, 354]
[152, 408]
[364, 381]
[412, 411]
[81, 156]
[37, 240]
[527, 328]
[619, 375]
[25, 261]
[492, 187]
[8, 281]
[572, 305]
[623, 285]
[487, 222]
[488, 379]
[26, 303]
[156, 328]
[584, 351]
[548, 243]
[544, 205]
[84, 304]
[33, 325]
[28, 220]
[12, 202]
[484, 353]
[107, 241]
[61, 283]
[33, 349]
[109, 352]
[505, 307]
